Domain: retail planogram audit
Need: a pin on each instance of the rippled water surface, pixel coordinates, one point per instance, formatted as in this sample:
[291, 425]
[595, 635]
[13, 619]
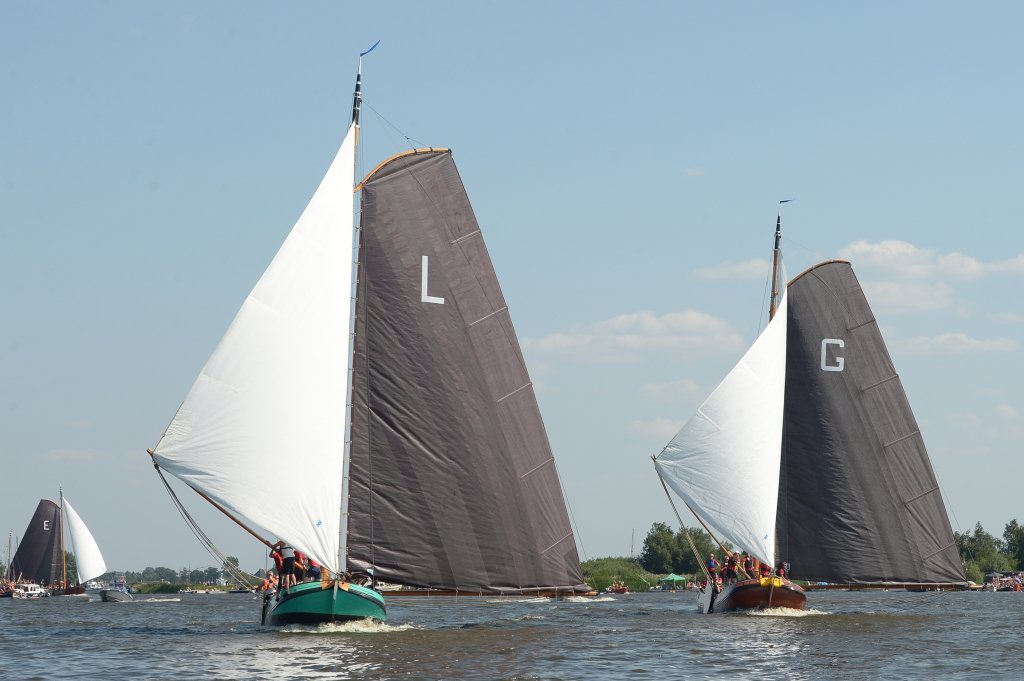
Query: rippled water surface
[844, 635]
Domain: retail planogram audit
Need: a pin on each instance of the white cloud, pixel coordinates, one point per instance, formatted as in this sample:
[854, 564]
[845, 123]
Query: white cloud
[908, 296]
[684, 388]
[657, 428]
[738, 271]
[952, 343]
[907, 261]
[694, 171]
[626, 337]
[1007, 412]
[80, 423]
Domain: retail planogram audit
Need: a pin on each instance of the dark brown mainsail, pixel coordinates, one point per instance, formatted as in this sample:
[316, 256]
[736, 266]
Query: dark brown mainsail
[452, 481]
[38, 556]
[858, 499]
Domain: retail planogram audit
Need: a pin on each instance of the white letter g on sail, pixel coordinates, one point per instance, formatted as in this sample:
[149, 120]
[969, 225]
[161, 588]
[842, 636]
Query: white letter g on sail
[424, 296]
[840, 361]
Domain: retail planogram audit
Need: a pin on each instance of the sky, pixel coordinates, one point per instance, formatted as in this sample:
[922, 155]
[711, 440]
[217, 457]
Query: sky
[624, 161]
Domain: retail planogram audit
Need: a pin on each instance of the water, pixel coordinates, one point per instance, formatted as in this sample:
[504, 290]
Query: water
[863, 635]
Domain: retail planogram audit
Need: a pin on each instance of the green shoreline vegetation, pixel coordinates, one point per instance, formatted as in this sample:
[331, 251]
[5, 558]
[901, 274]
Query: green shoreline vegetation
[665, 551]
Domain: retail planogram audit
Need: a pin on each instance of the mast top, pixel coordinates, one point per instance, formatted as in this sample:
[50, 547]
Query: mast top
[357, 96]
[776, 253]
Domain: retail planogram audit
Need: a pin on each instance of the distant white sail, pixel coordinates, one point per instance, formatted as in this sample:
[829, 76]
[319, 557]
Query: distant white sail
[724, 463]
[262, 431]
[87, 554]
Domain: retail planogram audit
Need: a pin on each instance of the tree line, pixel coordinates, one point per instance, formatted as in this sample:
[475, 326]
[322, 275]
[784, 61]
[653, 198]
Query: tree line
[983, 553]
[185, 575]
[666, 551]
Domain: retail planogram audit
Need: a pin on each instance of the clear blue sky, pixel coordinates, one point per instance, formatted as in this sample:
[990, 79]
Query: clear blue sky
[624, 161]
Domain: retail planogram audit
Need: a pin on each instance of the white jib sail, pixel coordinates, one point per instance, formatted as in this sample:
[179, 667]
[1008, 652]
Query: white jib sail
[724, 463]
[88, 558]
[262, 431]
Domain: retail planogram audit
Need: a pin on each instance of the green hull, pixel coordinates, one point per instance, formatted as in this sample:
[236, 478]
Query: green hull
[311, 603]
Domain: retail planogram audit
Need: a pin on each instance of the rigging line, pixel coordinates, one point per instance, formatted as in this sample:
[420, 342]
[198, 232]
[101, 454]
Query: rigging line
[412, 140]
[203, 538]
[572, 518]
[682, 525]
[761, 306]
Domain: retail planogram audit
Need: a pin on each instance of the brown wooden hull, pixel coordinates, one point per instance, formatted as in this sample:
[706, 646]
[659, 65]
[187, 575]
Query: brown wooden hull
[759, 594]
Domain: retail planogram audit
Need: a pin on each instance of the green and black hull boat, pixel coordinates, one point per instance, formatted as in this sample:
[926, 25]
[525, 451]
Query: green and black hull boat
[324, 602]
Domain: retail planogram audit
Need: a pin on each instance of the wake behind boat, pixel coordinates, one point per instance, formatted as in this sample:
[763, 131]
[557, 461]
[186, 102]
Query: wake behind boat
[398, 398]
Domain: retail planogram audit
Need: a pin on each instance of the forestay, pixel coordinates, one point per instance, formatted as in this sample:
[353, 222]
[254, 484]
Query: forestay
[262, 430]
[88, 558]
[724, 463]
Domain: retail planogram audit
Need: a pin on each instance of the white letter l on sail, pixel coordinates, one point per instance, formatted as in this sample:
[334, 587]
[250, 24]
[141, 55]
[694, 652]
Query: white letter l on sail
[424, 296]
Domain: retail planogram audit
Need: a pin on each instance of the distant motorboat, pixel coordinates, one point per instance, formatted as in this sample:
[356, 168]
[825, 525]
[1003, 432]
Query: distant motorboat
[30, 591]
[116, 594]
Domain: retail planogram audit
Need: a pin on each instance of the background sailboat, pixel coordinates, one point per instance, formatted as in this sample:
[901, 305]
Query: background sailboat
[53, 529]
[38, 557]
[428, 464]
[808, 452]
[724, 463]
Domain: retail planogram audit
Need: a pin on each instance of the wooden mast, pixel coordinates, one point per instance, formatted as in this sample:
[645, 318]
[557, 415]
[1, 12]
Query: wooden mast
[346, 456]
[63, 553]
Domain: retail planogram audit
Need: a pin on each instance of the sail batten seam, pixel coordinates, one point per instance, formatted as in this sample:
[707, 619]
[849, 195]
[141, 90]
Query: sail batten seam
[536, 468]
[556, 543]
[878, 383]
[465, 236]
[520, 389]
[935, 553]
[899, 440]
[914, 498]
[854, 328]
[486, 317]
